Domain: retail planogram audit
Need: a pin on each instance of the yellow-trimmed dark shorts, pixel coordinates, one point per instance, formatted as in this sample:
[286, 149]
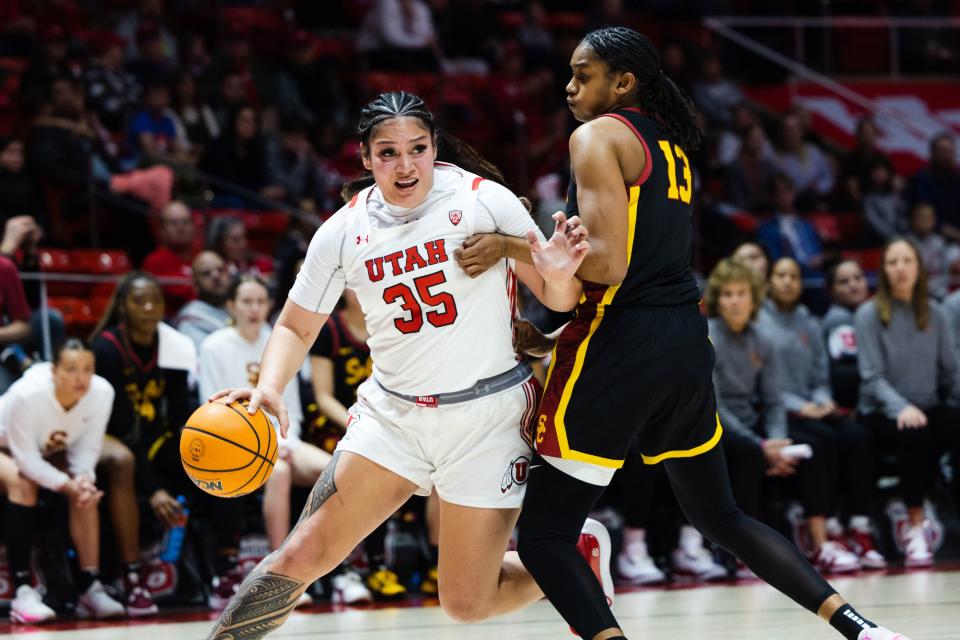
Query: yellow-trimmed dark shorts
[625, 374]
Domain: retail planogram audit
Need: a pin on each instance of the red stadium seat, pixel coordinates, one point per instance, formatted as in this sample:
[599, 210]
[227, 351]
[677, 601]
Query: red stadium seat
[869, 259]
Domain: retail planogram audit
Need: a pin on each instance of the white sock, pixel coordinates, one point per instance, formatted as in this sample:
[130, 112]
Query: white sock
[690, 538]
[860, 523]
[634, 535]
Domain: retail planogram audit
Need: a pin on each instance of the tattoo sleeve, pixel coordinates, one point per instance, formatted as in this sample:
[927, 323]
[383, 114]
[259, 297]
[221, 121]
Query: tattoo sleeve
[266, 598]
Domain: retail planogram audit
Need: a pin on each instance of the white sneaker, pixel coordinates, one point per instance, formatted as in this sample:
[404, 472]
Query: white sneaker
[880, 634]
[97, 603]
[635, 566]
[698, 563]
[916, 546]
[348, 588]
[27, 607]
[833, 557]
[594, 545]
[744, 572]
[305, 600]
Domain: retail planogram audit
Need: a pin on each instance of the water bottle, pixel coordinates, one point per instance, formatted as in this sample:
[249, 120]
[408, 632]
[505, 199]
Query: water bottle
[173, 541]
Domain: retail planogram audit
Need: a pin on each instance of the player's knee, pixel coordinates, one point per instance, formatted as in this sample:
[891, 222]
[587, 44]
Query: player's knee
[23, 491]
[465, 606]
[282, 474]
[119, 462]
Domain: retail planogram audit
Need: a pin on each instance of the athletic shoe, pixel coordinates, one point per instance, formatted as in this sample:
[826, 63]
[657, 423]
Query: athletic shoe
[139, 600]
[916, 546]
[636, 567]
[861, 543]
[594, 545]
[385, 585]
[697, 562]
[305, 600]
[348, 588]
[224, 588]
[743, 572]
[880, 634]
[95, 602]
[27, 607]
[431, 584]
[833, 557]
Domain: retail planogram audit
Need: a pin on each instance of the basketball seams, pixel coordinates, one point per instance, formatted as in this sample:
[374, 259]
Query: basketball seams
[249, 424]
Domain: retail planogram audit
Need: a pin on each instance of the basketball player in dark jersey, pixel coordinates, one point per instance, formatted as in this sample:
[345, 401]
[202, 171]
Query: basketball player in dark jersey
[636, 362]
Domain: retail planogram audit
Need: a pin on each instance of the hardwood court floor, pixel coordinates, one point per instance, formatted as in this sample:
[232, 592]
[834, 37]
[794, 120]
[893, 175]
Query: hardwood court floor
[925, 606]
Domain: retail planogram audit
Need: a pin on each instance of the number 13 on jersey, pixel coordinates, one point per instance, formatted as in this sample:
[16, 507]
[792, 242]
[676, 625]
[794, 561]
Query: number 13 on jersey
[685, 191]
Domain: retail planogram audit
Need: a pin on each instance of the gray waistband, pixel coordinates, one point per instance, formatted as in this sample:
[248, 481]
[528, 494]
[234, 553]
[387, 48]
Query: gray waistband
[484, 387]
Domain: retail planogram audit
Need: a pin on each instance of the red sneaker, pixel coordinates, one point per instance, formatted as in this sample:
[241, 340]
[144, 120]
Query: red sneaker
[224, 588]
[861, 543]
[138, 600]
[594, 545]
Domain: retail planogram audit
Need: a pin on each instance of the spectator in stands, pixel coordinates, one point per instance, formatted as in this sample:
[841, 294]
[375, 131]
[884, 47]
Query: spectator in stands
[847, 286]
[153, 131]
[453, 18]
[50, 61]
[400, 35]
[52, 423]
[196, 57]
[754, 256]
[237, 58]
[747, 384]
[195, 121]
[787, 234]
[112, 93]
[230, 358]
[841, 442]
[940, 258]
[149, 365]
[172, 258]
[239, 157]
[673, 61]
[859, 163]
[227, 236]
[231, 97]
[201, 317]
[149, 12]
[14, 322]
[730, 141]
[714, 95]
[308, 88]
[906, 357]
[748, 177]
[154, 63]
[533, 35]
[939, 184]
[879, 196]
[292, 164]
[807, 166]
[605, 13]
[20, 193]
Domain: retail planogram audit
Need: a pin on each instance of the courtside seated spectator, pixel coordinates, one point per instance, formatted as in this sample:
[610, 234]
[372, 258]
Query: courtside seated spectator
[787, 234]
[939, 184]
[172, 258]
[52, 423]
[907, 362]
[201, 317]
[228, 237]
[847, 287]
[842, 443]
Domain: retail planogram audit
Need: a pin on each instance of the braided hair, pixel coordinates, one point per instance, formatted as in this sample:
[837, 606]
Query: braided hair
[400, 104]
[625, 50]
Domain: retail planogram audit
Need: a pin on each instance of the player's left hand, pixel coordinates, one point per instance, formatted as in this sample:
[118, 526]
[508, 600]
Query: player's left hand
[480, 252]
[559, 258]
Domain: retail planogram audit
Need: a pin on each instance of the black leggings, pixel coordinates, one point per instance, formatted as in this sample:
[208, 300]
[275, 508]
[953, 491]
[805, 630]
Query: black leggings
[557, 504]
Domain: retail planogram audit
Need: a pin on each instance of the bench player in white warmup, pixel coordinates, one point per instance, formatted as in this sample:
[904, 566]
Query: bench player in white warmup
[447, 400]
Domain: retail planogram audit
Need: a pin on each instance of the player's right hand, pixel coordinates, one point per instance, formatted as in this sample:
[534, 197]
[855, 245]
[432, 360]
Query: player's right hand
[166, 508]
[267, 399]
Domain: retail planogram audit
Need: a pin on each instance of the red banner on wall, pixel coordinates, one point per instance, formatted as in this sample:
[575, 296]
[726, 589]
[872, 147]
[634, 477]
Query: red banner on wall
[908, 114]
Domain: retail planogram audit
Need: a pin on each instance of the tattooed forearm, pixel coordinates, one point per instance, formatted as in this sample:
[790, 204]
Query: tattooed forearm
[262, 604]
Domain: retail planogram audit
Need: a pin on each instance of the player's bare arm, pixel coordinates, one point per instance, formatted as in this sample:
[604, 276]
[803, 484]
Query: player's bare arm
[597, 166]
[551, 277]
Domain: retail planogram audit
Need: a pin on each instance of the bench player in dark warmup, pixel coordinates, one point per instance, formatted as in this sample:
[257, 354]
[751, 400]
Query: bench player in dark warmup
[636, 359]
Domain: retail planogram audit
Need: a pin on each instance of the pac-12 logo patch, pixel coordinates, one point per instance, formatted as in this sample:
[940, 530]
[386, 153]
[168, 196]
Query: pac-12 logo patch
[517, 473]
[456, 216]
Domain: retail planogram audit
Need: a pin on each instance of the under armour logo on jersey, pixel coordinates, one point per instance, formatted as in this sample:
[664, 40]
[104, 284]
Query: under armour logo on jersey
[456, 216]
[363, 239]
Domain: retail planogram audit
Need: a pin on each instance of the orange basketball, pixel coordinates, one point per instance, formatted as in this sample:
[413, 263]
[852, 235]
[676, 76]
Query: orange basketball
[226, 451]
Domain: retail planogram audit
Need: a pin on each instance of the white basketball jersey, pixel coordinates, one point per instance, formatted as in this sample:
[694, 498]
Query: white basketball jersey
[433, 329]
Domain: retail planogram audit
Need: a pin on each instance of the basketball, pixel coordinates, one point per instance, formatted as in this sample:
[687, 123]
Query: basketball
[226, 451]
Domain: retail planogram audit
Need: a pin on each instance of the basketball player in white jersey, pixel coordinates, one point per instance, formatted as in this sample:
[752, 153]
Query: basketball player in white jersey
[447, 400]
[57, 409]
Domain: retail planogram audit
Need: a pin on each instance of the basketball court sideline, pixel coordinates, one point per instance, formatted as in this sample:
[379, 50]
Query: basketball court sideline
[925, 605]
